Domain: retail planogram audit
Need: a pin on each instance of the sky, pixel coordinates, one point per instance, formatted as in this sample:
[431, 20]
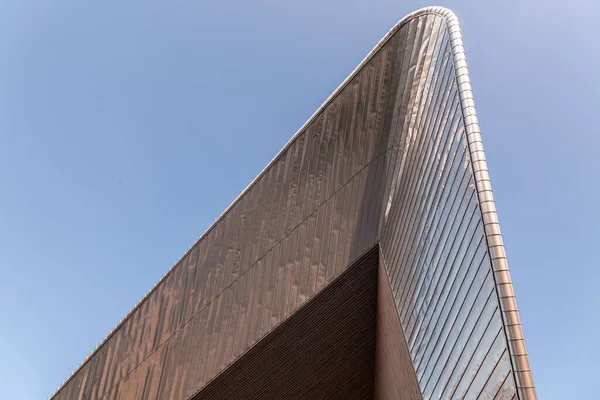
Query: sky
[127, 127]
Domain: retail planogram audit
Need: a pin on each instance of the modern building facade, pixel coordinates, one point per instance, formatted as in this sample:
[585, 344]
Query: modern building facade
[365, 261]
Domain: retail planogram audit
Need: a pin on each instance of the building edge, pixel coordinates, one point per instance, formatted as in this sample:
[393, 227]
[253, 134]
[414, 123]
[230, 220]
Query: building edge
[504, 288]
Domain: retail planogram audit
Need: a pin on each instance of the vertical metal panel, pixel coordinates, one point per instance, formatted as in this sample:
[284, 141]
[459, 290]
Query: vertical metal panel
[315, 136]
[202, 278]
[355, 200]
[318, 192]
[298, 258]
[237, 238]
[304, 291]
[265, 297]
[331, 129]
[190, 290]
[277, 177]
[324, 264]
[251, 312]
[393, 157]
[312, 284]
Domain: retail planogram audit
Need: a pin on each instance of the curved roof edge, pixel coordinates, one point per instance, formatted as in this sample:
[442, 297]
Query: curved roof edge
[504, 288]
[523, 377]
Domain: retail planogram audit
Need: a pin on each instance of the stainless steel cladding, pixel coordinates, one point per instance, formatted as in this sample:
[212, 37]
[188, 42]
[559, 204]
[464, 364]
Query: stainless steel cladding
[393, 160]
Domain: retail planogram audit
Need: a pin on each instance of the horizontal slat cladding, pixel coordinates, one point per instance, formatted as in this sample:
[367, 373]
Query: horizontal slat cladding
[390, 159]
[325, 350]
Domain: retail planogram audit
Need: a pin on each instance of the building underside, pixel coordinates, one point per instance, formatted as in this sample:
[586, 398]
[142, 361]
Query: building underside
[344, 343]
[365, 261]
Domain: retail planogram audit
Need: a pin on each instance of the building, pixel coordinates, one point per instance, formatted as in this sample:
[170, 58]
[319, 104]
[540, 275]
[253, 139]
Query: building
[365, 261]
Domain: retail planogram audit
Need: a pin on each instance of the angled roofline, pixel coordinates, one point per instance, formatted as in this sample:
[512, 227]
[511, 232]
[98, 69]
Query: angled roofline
[519, 360]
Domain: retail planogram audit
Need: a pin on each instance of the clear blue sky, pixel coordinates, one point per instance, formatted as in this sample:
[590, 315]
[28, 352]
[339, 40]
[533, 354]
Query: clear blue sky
[126, 127]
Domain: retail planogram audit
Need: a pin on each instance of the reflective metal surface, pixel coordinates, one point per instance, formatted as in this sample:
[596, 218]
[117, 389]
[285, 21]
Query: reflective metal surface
[393, 157]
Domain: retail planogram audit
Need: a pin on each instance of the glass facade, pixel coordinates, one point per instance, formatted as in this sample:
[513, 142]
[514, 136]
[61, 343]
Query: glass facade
[393, 158]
